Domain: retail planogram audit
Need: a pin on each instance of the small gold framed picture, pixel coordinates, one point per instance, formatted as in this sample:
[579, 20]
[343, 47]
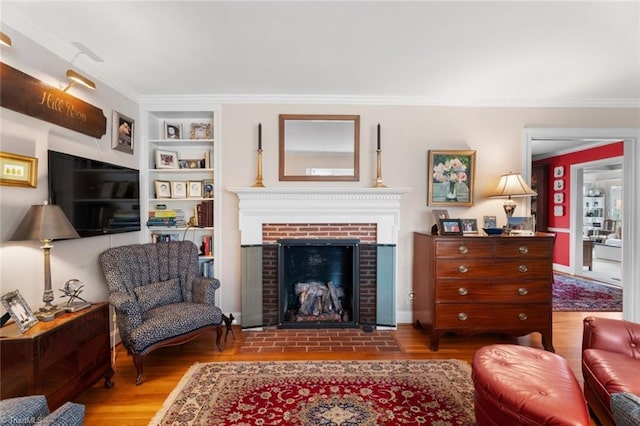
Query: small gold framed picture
[201, 131]
[18, 170]
[194, 189]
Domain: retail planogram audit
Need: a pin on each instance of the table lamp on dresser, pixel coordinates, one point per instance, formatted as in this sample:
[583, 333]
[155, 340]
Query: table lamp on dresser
[511, 185]
[45, 222]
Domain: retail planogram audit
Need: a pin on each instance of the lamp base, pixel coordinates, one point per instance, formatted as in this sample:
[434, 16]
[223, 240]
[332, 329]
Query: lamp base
[49, 313]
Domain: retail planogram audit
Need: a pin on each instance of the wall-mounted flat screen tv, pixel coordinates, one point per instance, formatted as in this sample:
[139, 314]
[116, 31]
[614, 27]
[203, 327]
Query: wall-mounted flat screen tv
[98, 198]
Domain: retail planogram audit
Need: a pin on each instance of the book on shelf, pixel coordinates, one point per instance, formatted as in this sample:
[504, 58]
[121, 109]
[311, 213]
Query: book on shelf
[206, 248]
[207, 269]
[204, 214]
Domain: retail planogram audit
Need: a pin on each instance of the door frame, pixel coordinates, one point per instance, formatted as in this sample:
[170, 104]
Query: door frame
[630, 193]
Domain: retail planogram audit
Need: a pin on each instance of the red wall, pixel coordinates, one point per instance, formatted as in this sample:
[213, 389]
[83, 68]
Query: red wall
[561, 252]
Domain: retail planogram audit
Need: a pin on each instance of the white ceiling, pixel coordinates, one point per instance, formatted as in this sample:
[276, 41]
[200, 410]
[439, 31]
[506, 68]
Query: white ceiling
[440, 53]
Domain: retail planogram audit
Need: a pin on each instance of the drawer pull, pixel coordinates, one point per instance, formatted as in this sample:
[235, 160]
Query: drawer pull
[462, 316]
[462, 291]
[523, 249]
[523, 268]
[523, 291]
[463, 269]
[522, 316]
[463, 249]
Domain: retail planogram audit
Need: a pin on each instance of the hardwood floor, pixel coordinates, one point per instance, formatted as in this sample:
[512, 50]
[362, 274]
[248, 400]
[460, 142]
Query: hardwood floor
[128, 404]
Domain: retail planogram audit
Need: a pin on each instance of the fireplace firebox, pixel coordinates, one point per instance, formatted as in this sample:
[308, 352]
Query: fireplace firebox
[318, 283]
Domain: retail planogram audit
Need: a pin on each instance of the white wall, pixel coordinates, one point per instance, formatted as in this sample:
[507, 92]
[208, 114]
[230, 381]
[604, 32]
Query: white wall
[21, 262]
[407, 135]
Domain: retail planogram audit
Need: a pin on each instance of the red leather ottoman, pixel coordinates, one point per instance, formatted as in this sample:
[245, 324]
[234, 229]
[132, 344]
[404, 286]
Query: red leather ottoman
[518, 385]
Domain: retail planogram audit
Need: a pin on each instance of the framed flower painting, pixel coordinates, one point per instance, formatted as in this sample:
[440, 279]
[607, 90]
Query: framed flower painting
[451, 177]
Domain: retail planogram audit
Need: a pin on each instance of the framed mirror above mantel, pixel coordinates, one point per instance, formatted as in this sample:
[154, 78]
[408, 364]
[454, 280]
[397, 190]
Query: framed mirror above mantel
[316, 147]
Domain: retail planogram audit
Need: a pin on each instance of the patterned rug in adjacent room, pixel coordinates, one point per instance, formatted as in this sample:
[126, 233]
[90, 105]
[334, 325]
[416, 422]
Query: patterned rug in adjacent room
[571, 293]
[430, 392]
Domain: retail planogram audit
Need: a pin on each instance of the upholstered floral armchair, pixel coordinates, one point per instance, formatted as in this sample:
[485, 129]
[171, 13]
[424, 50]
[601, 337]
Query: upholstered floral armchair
[159, 297]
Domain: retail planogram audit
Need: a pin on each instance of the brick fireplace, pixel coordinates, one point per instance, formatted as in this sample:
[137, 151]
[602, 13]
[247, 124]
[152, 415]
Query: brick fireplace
[269, 216]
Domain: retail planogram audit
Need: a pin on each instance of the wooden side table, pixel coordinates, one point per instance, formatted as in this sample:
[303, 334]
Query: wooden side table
[59, 359]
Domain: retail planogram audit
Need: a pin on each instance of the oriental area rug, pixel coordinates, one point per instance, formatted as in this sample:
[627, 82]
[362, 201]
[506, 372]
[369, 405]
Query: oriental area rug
[410, 392]
[571, 293]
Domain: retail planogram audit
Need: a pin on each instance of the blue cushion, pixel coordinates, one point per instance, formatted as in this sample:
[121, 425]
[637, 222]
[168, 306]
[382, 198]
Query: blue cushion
[625, 408]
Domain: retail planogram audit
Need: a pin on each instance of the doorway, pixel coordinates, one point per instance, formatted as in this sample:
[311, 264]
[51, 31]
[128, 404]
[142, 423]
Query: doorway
[598, 185]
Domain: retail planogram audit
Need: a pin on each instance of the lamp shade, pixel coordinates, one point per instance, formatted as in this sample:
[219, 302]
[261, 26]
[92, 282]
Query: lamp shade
[512, 185]
[44, 222]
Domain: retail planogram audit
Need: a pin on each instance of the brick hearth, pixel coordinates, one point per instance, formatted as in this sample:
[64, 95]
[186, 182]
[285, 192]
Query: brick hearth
[319, 340]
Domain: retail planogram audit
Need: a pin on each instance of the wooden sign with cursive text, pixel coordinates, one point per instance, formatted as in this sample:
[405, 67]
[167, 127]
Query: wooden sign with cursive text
[27, 95]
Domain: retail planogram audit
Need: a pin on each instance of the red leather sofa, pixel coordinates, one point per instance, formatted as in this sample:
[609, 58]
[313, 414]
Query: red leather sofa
[610, 363]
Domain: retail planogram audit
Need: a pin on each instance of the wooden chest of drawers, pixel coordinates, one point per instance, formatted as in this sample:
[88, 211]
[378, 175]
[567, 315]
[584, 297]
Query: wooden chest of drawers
[59, 359]
[472, 284]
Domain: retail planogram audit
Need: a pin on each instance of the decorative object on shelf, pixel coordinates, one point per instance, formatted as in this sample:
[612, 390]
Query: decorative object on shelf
[469, 226]
[19, 310]
[45, 223]
[259, 183]
[558, 171]
[178, 189]
[77, 78]
[208, 189]
[122, 133]
[166, 159]
[163, 189]
[72, 290]
[437, 215]
[489, 221]
[379, 183]
[201, 131]
[172, 130]
[194, 189]
[191, 164]
[451, 177]
[558, 184]
[450, 227]
[18, 170]
[511, 185]
[493, 231]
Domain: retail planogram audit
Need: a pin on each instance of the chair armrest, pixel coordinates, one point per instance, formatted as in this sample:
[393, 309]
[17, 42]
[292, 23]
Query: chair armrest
[23, 410]
[204, 290]
[625, 408]
[127, 309]
[611, 335]
[69, 414]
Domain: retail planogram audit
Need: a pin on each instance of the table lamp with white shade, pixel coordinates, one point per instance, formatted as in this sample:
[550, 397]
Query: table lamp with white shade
[511, 185]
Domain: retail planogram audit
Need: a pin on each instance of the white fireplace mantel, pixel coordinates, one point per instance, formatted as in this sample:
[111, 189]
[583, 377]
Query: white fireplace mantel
[258, 206]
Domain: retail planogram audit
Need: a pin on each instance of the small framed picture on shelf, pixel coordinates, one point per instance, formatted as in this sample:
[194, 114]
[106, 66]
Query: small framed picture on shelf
[194, 189]
[450, 227]
[191, 164]
[172, 130]
[207, 188]
[19, 310]
[489, 222]
[201, 131]
[166, 159]
[178, 189]
[440, 214]
[163, 189]
[469, 226]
